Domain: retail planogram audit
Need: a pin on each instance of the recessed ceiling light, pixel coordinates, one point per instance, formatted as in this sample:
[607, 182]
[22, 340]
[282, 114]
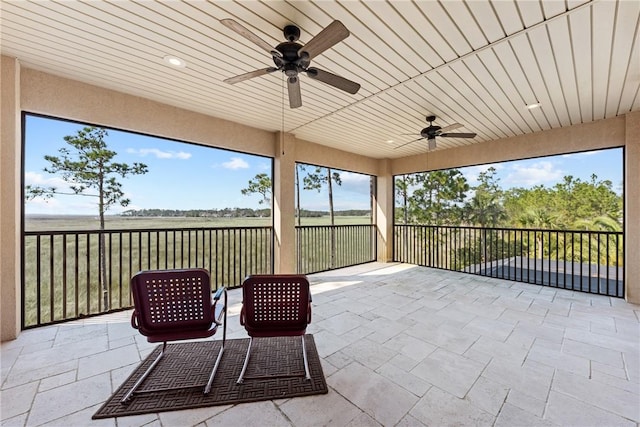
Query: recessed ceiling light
[174, 61]
[390, 141]
[534, 106]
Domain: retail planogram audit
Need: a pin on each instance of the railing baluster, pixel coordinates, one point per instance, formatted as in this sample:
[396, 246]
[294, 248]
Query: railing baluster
[88, 277]
[98, 268]
[549, 259]
[120, 290]
[589, 265]
[598, 260]
[564, 257]
[64, 276]
[573, 263]
[51, 278]
[38, 279]
[76, 276]
[239, 254]
[110, 271]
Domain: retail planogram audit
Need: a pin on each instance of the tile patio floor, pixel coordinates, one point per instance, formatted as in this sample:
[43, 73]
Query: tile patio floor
[400, 345]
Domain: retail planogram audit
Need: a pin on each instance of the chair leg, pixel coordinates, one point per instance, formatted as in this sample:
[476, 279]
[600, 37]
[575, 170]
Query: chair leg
[144, 376]
[306, 361]
[246, 362]
[207, 389]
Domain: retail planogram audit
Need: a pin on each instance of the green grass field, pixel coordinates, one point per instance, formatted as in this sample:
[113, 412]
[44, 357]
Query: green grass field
[52, 222]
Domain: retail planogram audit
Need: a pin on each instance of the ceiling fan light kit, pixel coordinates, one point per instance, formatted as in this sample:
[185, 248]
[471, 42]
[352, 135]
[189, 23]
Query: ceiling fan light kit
[293, 58]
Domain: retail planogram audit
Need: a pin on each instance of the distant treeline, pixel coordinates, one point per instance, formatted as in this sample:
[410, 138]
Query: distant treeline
[233, 213]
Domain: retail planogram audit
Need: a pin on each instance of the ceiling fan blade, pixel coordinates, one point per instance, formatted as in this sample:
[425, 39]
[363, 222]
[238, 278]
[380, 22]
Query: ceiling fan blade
[450, 127]
[407, 143]
[333, 80]
[244, 32]
[250, 75]
[330, 35]
[295, 97]
[458, 135]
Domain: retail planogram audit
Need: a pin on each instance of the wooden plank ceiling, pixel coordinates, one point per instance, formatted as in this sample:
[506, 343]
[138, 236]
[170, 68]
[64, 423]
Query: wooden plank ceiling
[475, 62]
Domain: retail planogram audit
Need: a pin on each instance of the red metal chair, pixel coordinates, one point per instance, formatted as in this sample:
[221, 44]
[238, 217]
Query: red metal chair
[273, 306]
[173, 305]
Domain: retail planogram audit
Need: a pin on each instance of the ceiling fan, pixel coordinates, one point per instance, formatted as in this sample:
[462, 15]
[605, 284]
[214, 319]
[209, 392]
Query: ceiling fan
[293, 58]
[432, 131]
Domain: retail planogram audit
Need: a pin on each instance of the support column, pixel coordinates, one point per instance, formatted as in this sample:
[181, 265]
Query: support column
[632, 207]
[384, 211]
[284, 204]
[10, 199]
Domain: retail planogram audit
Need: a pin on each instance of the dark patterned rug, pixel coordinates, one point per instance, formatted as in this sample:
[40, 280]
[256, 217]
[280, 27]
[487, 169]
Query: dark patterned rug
[190, 363]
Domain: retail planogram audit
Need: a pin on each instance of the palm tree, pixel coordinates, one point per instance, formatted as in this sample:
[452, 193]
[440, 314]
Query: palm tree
[608, 252]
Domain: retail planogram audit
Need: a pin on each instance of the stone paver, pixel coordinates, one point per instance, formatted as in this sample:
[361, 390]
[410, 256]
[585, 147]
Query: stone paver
[400, 346]
[374, 394]
[439, 408]
[451, 372]
[565, 410]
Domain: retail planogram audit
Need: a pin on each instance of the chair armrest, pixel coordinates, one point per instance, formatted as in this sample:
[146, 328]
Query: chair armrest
[134, 320]
[216, 297]
[218, 293]
[242, 315]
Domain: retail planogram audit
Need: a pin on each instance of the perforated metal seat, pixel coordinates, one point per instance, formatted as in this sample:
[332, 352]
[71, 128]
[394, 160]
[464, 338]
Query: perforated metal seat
[275, 305]
[173, 305]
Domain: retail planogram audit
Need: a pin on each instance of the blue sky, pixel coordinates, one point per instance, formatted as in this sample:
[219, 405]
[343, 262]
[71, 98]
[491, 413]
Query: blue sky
[181, 176]
[547, 171]
[189, 176]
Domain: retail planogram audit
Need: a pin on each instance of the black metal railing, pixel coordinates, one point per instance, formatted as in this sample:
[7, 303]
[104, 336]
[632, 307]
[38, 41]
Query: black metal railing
[586, 261]
[64, 278]
[326, 247]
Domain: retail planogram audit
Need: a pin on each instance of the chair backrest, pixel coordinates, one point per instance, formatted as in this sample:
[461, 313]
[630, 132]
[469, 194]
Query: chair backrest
[170, 300]
[276, 305]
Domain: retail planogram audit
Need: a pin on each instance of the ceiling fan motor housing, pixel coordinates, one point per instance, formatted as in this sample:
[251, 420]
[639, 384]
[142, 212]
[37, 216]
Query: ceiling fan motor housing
[289, 50]
[291, 62]
[430, 132]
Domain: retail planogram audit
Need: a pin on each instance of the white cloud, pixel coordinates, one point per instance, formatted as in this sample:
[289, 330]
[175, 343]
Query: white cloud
[354, 177]
[62, 205]
[355, 182]
[586, 153]
[35, 178]
[49, 181]
[539, 173]
[235, 163]
[159, 153]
